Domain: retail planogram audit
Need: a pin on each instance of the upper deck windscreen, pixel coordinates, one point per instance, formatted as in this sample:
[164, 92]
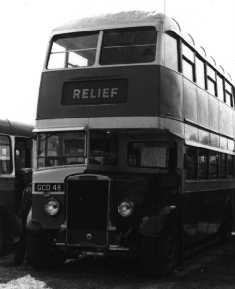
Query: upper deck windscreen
[123, 46]
[73, 50]
[119, 46]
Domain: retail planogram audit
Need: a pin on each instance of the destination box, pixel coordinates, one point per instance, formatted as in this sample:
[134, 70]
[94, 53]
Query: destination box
[94, 92]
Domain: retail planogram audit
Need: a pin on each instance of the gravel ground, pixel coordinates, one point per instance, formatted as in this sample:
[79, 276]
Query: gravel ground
[214, 268]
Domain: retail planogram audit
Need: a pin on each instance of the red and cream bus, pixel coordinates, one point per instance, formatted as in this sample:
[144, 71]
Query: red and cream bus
[134, 143]
[15, 175]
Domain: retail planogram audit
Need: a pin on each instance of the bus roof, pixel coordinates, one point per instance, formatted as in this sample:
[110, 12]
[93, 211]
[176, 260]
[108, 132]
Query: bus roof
[134, 19]
[121, 19]
[15, 128]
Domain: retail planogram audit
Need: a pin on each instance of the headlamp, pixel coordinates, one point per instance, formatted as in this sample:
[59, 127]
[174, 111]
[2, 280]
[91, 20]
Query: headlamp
[125, 209]
[52, 207]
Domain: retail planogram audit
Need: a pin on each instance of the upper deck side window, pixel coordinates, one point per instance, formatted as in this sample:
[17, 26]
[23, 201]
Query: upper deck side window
[73, 50]
[193, 65]
[220, 87]
[171, 55]
[128, 45]
[200, 72]
[188, 62]
[228, 94]
[211, 80]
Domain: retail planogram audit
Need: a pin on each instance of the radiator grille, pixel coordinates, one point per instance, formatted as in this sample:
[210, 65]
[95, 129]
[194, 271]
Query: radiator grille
[87, 204]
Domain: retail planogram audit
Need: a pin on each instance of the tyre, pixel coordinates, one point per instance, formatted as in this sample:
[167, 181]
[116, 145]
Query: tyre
[226, 226]
[159, 255]
[19, 252]
[20, 247]
[2, 237]
[10, 232]
[39, 253]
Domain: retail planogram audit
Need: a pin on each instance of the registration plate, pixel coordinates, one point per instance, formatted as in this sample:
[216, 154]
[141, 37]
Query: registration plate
[48, 187]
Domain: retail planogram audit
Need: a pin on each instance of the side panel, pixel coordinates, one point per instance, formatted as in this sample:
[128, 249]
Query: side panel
[204, 204]
[202, 107]
[171, 96]
[214, 115]
[190, 101]
[225, 120]
[7, 193]
[190, 217]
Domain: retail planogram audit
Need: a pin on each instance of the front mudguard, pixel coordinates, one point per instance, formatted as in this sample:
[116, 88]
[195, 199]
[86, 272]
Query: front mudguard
[152, 226]
[32, 226]
[35, 229]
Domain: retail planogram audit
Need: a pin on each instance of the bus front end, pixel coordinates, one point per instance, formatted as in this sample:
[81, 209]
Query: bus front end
[99, 191]
[105, 177]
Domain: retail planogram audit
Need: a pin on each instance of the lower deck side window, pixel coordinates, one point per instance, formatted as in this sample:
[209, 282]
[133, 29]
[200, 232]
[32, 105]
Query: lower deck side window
[191, 163]
[213, 164]
[22, 153]
[222, 165]
[147, 155]
[202, 163]
[230, 166]
[5, 155]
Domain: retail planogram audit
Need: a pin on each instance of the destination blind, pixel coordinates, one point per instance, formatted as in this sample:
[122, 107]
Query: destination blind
[94, 92]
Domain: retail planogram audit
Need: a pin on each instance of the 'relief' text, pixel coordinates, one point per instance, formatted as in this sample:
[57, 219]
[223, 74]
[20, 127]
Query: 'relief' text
[95, 93]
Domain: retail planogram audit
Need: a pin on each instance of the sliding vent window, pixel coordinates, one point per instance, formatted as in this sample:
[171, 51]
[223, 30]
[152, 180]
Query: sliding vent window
[132, 45]
[75, 50]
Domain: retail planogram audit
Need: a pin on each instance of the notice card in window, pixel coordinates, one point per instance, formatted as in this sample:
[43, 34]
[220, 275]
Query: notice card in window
[153, 157]
[4, 154]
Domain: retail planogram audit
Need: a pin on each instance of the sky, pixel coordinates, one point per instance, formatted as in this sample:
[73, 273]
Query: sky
[25, 27]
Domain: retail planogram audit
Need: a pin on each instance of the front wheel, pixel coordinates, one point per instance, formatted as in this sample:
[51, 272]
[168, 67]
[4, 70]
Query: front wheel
[19, 251]
[2, 237]
[226, 226]
[40, 254]
[159, 255]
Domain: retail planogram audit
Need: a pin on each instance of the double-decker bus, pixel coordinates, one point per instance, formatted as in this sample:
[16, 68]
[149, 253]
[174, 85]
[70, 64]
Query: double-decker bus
[134, 144]
[15, 175]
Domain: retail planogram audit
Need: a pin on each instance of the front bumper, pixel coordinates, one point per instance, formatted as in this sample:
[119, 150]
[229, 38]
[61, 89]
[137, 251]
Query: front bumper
[57, 239]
